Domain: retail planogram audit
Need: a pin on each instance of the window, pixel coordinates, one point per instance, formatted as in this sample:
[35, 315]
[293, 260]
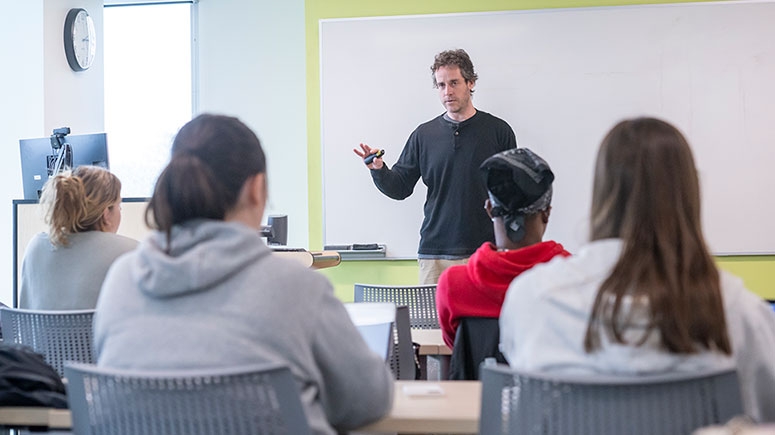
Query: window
[148, 87]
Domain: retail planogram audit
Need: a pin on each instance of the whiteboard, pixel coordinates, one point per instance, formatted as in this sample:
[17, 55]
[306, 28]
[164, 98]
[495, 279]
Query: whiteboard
[561, 78]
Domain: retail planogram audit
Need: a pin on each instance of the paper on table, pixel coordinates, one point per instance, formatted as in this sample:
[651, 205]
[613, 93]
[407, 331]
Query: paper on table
[423, 389]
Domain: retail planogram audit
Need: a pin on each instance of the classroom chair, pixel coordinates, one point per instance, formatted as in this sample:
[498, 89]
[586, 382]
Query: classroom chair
[235, 401]
[516, 402]
[421, 301]
[59, 336]
[402, 362]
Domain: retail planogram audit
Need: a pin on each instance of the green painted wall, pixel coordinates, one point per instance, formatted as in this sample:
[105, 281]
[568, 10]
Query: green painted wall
[758, 272]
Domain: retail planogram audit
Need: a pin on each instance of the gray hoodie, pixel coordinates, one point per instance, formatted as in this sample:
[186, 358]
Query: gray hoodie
[69, 277]
[221, 298]
[544, 319]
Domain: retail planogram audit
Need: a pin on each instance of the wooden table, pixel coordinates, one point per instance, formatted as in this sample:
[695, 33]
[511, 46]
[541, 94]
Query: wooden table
[430, 341]
[434, 354]
[20, 417]
[456, 411]
[313, 259]
[324, 259]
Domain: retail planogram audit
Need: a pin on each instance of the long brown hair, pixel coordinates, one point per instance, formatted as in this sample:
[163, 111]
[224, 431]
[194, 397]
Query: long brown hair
[74, 201]
[646, 193]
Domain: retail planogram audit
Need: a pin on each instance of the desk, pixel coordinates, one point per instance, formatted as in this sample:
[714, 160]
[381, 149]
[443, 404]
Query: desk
[431, 342]
[434, 354]
[313, 259]
[456, 412]
[323, 259]
[20, 417]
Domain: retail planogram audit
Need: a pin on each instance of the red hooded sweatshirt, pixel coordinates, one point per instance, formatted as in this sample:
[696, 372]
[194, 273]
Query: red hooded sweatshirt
[477, 289]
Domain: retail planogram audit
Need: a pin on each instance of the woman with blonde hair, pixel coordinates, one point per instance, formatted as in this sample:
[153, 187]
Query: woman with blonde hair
[64, 268]
[645, 295]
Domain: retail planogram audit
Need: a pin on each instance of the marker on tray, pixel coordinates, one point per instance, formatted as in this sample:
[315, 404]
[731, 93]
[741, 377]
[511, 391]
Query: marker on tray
[370, 158]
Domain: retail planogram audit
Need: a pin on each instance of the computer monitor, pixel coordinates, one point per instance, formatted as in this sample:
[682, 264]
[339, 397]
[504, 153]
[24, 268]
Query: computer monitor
[36, 154]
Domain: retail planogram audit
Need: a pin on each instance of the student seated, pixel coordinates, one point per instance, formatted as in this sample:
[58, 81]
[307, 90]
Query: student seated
[644, 296]
[519, 186]
[204, 291]
[64, 268]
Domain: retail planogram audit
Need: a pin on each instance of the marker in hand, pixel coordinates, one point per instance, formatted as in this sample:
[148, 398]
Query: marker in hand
[370, 158]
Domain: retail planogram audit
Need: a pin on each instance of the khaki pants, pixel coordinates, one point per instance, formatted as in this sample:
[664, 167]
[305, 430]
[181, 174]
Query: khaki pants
[430, 269]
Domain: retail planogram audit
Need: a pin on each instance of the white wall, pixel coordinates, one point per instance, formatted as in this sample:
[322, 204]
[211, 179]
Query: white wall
[39, 93]
[72, 99]
[252, 65]
[21, 112]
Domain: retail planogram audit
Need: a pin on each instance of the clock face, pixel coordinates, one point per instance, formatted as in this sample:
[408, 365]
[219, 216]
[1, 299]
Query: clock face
[80, 39]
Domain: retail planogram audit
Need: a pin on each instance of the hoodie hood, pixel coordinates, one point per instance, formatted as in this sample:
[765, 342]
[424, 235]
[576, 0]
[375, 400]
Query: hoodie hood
[201, 256]
[492, 271]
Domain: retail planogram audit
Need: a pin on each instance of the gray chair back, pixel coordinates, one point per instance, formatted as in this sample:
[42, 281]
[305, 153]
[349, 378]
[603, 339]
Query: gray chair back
[368, 315]
[259, 399]
[520, 403]
[421, 301]
[401, 357]
[59, 336]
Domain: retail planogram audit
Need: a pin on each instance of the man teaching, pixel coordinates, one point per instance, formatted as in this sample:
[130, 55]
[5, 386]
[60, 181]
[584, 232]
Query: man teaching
[447, 152]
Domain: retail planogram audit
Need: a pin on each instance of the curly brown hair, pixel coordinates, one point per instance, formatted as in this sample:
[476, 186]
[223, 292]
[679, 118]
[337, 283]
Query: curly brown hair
[458, 58]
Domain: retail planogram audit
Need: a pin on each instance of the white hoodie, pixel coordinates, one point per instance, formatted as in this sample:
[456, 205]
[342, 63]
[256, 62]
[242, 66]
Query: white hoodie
[220, 298]
[544, 319]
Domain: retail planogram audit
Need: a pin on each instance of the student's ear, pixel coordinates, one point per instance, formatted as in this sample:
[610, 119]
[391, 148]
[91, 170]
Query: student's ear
[257, 189]
[104, 222]
[545, 214]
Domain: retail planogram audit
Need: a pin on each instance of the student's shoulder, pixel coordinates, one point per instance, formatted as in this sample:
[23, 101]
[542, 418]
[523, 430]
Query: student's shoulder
[289, 270]
[451, 279]
[590, 265]
[291, 282]
[111, 240]
[555, 273]
[39, 241]
[737, 298]
[124, 239]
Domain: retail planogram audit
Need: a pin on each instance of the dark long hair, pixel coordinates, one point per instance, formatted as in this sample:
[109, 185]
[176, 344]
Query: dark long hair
[646, 192]
[212, 157]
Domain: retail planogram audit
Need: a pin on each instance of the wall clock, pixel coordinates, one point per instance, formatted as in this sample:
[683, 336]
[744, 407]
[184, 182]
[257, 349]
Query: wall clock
[80, 39]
